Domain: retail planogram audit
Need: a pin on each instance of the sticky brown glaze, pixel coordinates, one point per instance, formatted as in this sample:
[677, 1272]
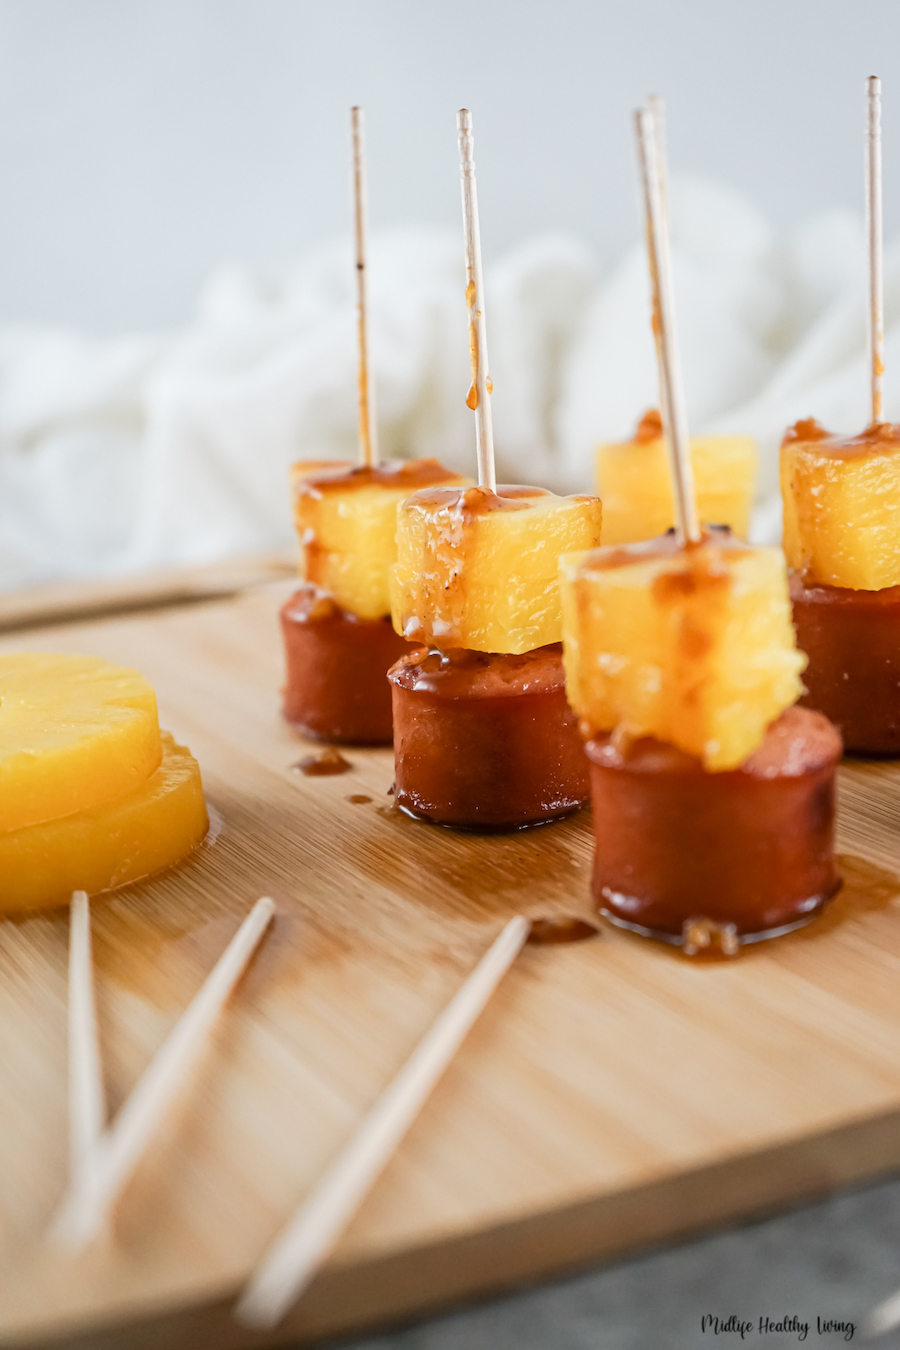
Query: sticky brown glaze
[610, 557]
[336, 687]
[649, 428]
[555, 932]
[319, 477]
[877, 436]
[485, 741]
[852, 639]
[753, 846]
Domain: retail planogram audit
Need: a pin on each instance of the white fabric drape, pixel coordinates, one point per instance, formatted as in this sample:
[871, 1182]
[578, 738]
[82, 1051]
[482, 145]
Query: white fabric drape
[174, 448]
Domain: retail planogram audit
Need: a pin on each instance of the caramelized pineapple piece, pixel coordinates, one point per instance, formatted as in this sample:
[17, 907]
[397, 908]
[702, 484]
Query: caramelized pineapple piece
[693, 646]
[479, 569]
[634, 481]
[346, 517]
[842, 506]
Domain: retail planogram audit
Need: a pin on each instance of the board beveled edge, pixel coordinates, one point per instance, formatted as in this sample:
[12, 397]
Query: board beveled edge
[416, 1281]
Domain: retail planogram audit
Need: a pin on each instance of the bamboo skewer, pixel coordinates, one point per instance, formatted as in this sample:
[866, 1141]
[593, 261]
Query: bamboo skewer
[368, 430]
[657, 111]
[293, 1259]
[87, 1106]
[672, 407]
[118, 1151]
[479, 396]
[874, 233]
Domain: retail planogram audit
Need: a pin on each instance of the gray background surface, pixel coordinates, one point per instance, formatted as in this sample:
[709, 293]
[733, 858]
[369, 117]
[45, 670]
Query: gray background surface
[144, 141]
[832, 1260]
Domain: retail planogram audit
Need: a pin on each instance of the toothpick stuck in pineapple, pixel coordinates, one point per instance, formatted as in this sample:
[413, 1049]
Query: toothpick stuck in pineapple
[657, 109]
[87, 1107]
[874, 232]
[653, 173]
[479, 397]
[368, 431]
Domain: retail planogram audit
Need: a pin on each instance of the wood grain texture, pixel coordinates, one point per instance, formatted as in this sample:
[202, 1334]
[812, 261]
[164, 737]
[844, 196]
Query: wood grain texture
[613, 1092]
[66, 602]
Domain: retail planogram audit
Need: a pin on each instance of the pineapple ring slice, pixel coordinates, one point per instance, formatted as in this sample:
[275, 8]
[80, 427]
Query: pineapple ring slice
[109, 845]
[75, 731]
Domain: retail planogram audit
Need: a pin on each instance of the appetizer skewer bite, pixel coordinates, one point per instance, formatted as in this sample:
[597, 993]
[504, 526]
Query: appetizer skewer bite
[483, 735]
[841, 498]
[339, 642]
[713, 795]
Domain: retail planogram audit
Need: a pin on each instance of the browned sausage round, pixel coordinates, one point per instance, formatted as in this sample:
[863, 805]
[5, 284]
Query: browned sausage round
[336, 687]
[485, 741]
[852, 639]
[750, 846]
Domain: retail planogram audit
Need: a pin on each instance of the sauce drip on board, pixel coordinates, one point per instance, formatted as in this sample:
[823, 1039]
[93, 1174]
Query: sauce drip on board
[324, 764]
[552, 932]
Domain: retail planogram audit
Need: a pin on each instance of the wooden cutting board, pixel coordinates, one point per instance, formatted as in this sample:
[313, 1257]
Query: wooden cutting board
[613, 1094]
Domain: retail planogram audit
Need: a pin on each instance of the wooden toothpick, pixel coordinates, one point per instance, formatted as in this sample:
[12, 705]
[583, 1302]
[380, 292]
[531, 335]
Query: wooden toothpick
[672, 406]
[874, 231]
[87, 1106]
[119, 1149]
[368, 430]
[657, 111]
[479, 397]
[291, 1262]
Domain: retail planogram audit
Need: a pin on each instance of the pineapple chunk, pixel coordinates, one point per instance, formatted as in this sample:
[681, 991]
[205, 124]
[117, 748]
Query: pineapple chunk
[119, 841]
[634, 480]
[841, 506]
[691, 646]
[346, 517]
[74, 731]
[479, 569]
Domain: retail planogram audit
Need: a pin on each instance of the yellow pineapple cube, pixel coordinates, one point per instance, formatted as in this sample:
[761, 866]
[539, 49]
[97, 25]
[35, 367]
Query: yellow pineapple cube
[634, 480]
[841, 502]
[346, 517]
[75, 731]
[479, 569]
[693, 646]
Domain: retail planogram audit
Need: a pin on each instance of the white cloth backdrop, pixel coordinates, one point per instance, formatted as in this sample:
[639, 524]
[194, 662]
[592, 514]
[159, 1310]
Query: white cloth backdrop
[174, 448]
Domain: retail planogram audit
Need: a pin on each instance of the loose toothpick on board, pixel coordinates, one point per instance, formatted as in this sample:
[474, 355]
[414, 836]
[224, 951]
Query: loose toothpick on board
[672, 406]
[873, 227]
[87, 1106]
[297, 1253]
[368, 430]
[119, 1149]
[479, 397]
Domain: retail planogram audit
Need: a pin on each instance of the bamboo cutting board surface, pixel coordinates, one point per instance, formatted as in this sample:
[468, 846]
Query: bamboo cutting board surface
[614, 1092]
